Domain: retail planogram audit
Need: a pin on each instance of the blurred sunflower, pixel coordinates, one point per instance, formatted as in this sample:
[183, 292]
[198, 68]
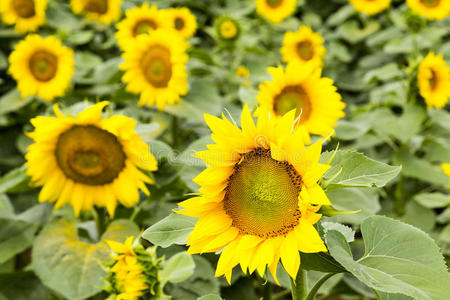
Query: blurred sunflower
[259, 196]
[433, 9]
[434, 80]
[139, 20]
[27, 15]
[103, 11]
[227, 28]
[133, 272]
[41, 66]
[155, 67]
[182, 20]
[242, 72]
[86, 160]
[303, 45]
[370, 7]
[275, 11]
[301, 87]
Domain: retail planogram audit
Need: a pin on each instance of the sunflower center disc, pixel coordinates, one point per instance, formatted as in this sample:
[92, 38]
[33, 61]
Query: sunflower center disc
[293, 97]
[433, 80]
[305, 50]
[24, 8]
[89, 155]
[262, 195]
[430, 3]
[144, 26]
[97, 6]
[274, 3]
[43, 65]
[228, 29]
[179, 23]
[156, 66]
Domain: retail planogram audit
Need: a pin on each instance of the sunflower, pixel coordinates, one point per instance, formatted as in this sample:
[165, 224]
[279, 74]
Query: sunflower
[182, 20]
[86, 160]
[27, 15]
[303, 45]
[300, 86]
[433, 9]
[103, 11]
[155, 67]
[139, 20]
[133, 272]
[370, 7]
[227, 28]
[242, 72]
[275, 11]
[259, 196]
[434, 80]
[41, 66]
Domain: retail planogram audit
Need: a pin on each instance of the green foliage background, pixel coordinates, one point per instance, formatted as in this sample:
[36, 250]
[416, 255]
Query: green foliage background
[373, 61]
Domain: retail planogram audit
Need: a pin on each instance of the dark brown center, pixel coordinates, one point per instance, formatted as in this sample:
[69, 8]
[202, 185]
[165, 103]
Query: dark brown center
[305, 50]
[144, 26]
[431, 3]
[97, 6]
[179, 23]
[156, 66]
[90, 155]
[274, 3]
[293, 97]
[24, 8]
[43, 65]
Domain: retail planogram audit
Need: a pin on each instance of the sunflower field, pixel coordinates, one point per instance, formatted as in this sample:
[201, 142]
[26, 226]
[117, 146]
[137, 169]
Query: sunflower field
[224, 149]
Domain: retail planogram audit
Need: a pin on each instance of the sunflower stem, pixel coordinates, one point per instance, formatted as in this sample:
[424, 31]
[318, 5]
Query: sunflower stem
[316, 287]
[298, 286]
[100, 220]
[400, 196]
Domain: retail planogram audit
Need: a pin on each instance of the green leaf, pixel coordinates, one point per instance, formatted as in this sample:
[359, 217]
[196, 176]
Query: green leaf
[173, 229]
[72, 267]
[321, 261]
[15, 237]
[419, 216]
[22, 286]
[210, 297]
[346, 130]
[13, 179]
[12, 101]
[346, 231]
[398, 258]
[432, 200]
[178, 268]
[341, 15]
[352, 169]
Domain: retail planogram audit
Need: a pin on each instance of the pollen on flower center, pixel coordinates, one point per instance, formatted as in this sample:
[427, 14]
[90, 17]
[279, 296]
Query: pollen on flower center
[274, 3]
[144, 26]
[97, 6]
[89, 155]
[293, 97]
[305, 50]
[43, 65]
[156, 66]
[24, 8]
[179, 23]
[262, 195]
[430, 3]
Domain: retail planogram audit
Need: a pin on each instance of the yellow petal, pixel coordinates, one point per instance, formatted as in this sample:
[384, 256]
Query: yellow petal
[308, 239]
[289, 255]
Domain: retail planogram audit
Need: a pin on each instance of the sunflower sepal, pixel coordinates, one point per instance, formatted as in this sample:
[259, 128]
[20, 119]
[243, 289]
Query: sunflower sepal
[329, 211]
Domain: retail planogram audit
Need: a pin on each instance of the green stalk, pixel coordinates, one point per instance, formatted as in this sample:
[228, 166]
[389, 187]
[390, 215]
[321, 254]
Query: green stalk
[298, 286]
[399, 204]
[316, 287]
[100, 220]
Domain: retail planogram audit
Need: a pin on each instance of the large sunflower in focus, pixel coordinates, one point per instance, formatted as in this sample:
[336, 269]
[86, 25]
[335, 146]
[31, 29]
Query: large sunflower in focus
[41, 66]
[182, 20]
[433, 9]
[155, 67]
[259, 195]
[27, 15]
[303, 45]
[103, 11]
[301, 87]
[87, 160]
[139, 20]
[434, 80]
[275, 11]
[370, 7]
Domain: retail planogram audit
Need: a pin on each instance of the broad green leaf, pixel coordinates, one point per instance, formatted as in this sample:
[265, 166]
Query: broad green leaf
[432, 200]
[173, 229]
[346, 231]
[341, 15]
[69, 266]
[178, 268]
[321, 261]
[13, 179]
[12, 101]
[353, 199]
[398, 258]
[419, 168]
[22, 286]
[346, 130]
[352, 169]
[387, 72]
[15, 237]
[353, 33]
[419, 216]
[210, 297]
